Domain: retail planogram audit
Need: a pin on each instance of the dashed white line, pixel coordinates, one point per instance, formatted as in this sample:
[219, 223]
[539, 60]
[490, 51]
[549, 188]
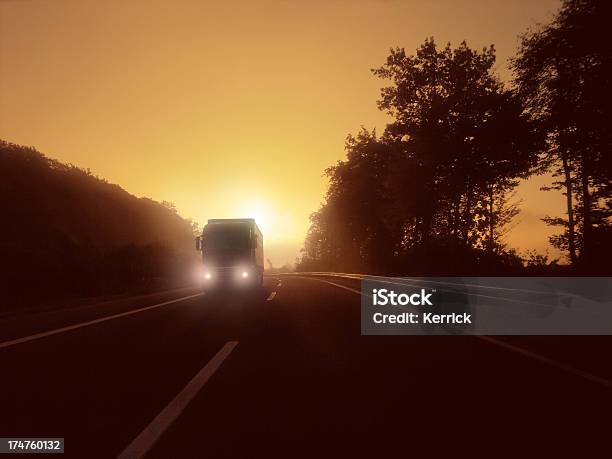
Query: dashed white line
[57, 331]
[149, 436]
[271, 297]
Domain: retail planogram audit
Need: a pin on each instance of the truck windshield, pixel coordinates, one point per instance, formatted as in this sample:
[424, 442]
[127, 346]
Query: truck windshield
[219, 238]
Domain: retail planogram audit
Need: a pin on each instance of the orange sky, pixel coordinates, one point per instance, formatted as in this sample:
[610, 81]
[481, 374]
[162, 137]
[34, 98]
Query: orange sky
[229, 109]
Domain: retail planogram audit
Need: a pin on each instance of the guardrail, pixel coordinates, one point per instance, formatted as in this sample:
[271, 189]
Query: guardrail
[425, 280]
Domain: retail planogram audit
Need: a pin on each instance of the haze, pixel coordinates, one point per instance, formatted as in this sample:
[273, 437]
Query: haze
[230, 109]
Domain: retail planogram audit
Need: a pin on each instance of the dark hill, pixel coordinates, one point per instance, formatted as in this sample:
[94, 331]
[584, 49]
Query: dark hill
[67, 233]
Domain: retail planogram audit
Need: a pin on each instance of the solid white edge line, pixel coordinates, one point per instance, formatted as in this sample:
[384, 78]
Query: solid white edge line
[57, 331]
[510, 347]
[413, 279]
[149, 436]
[394, 281]
[540, 358]
[334, 284]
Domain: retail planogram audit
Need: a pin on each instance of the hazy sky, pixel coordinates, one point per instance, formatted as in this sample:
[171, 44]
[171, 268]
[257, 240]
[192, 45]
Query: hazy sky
[229, 109]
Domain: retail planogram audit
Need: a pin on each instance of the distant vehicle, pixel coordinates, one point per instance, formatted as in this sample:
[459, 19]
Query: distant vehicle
[232, 252]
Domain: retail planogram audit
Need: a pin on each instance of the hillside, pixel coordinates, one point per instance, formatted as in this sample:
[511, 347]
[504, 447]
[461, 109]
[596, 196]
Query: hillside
[67, 233]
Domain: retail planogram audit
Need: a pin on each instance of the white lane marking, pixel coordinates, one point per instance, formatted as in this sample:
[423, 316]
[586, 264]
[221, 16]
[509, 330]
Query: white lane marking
[149, 436]
[510, 347]
[334, 284]
[546, 360]
[393, 281]
[271, 297]
[280, 283]
[57, 331]
[413, 279]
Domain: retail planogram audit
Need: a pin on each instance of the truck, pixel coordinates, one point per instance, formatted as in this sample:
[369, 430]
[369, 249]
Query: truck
[232, 253]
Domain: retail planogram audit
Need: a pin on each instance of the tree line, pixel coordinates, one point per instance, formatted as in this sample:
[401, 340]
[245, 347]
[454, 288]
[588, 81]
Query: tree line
[67, 234]
[435, 192]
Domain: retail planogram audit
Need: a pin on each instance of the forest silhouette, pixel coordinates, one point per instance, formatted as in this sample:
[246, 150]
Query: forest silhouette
[66, 233]
[434, 193]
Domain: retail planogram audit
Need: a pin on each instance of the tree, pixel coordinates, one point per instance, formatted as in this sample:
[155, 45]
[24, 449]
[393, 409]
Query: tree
[465, 135]
[563, 73]
[350, 231]
[440, 174]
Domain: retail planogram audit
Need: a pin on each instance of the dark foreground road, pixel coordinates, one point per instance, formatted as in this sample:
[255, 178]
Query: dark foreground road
[288, 374]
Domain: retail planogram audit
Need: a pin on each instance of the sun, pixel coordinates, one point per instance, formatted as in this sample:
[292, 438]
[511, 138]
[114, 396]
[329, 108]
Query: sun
[262, 213]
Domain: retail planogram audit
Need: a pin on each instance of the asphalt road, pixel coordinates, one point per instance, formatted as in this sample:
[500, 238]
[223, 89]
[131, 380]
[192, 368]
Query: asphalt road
[283, 371]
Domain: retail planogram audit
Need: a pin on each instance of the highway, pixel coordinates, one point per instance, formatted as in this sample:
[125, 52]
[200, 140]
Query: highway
[284, 371]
